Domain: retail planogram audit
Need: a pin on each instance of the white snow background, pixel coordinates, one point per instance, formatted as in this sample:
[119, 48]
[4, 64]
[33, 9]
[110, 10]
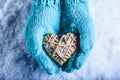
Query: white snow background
[102, 64]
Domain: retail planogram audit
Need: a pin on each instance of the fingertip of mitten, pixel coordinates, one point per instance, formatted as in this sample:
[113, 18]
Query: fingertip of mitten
[49, 66]
[87, 47]
[81, 59]
[53, 72]
[68, 69]
[78, 66]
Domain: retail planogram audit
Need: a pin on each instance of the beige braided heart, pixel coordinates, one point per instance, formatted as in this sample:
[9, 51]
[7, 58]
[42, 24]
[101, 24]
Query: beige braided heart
[60, 49]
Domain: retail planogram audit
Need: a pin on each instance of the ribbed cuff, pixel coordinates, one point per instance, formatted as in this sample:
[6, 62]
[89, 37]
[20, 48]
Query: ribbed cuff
[72, 2]
[46, 2]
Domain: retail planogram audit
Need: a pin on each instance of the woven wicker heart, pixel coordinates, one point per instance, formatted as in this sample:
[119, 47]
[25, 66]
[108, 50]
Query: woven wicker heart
[60, 49]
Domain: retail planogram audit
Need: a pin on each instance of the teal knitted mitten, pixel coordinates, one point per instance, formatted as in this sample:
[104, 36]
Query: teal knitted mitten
[75, 17]
[44, 18]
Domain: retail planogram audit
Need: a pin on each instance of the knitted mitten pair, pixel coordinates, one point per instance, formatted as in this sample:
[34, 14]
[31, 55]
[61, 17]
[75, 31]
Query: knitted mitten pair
[59, 16]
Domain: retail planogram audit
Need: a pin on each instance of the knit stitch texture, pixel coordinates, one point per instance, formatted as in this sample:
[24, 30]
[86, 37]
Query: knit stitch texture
[49, 16]
[75, 17]
[43, 19]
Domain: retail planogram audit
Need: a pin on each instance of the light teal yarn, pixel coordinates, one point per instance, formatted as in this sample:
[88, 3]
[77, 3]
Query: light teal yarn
[76, 17]
[48, 16]
[44, 18]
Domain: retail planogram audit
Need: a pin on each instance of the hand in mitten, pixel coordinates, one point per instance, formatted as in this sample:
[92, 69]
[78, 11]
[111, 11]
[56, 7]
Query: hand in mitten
[44, 18]
[75, 17]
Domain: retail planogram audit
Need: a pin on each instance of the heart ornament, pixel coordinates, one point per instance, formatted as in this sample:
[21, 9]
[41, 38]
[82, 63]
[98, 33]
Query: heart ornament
[60, 49]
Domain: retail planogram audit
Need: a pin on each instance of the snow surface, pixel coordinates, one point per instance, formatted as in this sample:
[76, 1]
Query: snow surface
[103, 62]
